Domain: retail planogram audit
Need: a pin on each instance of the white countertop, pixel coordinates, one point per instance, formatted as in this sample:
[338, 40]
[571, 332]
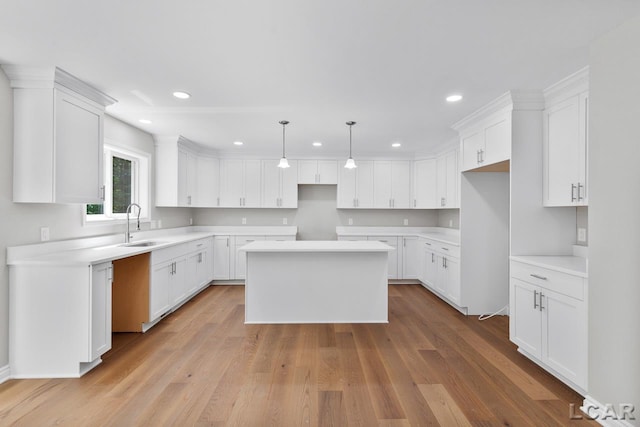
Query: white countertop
[96, 250]
[317, 246]
[445, 235]
[573, 265]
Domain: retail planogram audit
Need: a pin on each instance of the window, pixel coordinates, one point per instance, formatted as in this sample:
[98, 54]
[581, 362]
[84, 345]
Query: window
[126, 181]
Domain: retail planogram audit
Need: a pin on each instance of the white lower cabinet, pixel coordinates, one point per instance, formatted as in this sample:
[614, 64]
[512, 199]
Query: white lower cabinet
[177, 273]
[548, 320]
[100, 329]
[393, 255]
[240, 256]
[410, 257]
[221, 257]
[441, 269]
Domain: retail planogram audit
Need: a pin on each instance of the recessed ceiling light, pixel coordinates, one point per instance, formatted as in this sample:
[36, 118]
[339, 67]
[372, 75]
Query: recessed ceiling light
[181, 95]
[238, 143]
[454, 98]
[396, 145]
[317, 144]
[145, 121]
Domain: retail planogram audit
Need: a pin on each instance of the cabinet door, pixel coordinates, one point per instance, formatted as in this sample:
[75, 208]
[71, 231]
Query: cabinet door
[179, 281]
[497, 142]
[401, 184]
[393, 255]
[327, 172]
[307, 171]
[424, 184]
[448, 174]
[382, 183]
[207, 182]
[441, 180]
[159, 290]
[562, 143]
[526, 317]
[183, 179]
[271, 184]
[192, 278]
[471, 145]
[347, 188]
[452, 270]
[241, 256]
[410, 258]
[564, 335]
[289, 186]
[78, 167]
[231, 183]
[364, 184]
[100, 328]
[430, 266]
[221, 257]
[440, 283]
[252, 183]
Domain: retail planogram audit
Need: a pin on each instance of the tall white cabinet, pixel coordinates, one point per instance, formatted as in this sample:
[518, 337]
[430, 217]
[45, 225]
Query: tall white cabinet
[565, 141]
[392, 184]
[58, 136]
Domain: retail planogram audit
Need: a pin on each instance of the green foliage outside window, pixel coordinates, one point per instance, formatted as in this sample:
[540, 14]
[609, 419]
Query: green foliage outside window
[122, 188]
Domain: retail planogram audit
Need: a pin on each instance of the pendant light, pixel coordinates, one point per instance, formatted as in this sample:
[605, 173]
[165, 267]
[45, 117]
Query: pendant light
[351, 164]
[283, 161]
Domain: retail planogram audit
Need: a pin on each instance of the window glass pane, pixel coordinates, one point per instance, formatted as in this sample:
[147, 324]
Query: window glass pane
[121, 184]
[95, 209]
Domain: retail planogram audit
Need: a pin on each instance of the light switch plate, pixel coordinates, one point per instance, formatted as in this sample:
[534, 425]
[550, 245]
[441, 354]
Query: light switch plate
[284, 221]
[406, 221]
[44, 234]
[244, 221]
[350, 221]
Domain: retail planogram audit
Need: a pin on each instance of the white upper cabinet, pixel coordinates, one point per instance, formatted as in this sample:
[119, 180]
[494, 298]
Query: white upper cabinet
[424, 184]
[177, 174]
[207, 182]
[58, 136]
[279, 186]
[355, 186]
[317, 172]
[240, 183]
[392, 184]
[447, 182]
[565, 142]
[487, 143]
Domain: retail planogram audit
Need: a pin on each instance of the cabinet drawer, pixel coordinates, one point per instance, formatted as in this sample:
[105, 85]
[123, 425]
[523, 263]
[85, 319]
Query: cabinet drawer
[443, 248]
[197, 245]
[279, 238]
[563, 283]
[159, 256]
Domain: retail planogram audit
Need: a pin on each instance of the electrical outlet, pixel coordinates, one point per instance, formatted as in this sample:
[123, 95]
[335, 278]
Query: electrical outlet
[284, 221]
[350, 221]
[159, 223]
[450, 223]
[582, 234]
[190, 221]
[406, 221]
[153, 224]
[244, 221]
[44, 234]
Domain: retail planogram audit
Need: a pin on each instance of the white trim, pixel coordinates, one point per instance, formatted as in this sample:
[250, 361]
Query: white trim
[596, 409]
[5, 373]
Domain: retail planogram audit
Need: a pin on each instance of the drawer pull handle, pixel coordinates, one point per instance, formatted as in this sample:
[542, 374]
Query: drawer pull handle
[538, 277]
[428, 244]
[445, 249]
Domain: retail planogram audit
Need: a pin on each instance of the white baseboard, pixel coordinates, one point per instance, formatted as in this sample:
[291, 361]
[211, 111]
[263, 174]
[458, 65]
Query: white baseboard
[603, 415]
[5, 373]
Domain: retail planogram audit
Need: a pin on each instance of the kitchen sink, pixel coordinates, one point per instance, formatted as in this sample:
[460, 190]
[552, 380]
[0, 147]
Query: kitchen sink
[142, 244]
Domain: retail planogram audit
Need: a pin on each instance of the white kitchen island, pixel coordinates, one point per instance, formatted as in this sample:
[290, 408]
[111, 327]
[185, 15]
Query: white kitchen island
[316, 282]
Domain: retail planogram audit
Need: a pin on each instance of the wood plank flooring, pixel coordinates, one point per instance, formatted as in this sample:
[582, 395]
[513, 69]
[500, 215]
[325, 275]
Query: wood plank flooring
[202, 366]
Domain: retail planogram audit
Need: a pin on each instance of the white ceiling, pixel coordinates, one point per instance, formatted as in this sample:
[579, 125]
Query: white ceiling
[386, 64]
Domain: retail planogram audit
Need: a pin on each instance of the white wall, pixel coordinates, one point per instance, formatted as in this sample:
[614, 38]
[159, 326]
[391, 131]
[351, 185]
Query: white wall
[614, 221]
[20, 223]
[316, 216]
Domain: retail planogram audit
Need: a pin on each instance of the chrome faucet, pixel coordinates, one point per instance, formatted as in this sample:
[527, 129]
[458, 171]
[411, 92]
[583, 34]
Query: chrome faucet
[127, 236]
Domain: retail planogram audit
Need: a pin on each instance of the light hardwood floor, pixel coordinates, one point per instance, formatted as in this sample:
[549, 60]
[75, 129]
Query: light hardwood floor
[202, 366]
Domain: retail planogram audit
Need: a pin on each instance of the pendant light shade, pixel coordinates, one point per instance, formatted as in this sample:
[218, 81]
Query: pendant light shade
[351, 164]
[284, 163]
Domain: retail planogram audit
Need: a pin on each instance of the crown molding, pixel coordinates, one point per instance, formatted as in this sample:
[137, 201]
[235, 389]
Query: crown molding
[571, 85]
[47, 77]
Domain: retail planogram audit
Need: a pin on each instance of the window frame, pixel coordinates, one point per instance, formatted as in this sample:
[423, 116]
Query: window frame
[140, 187]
